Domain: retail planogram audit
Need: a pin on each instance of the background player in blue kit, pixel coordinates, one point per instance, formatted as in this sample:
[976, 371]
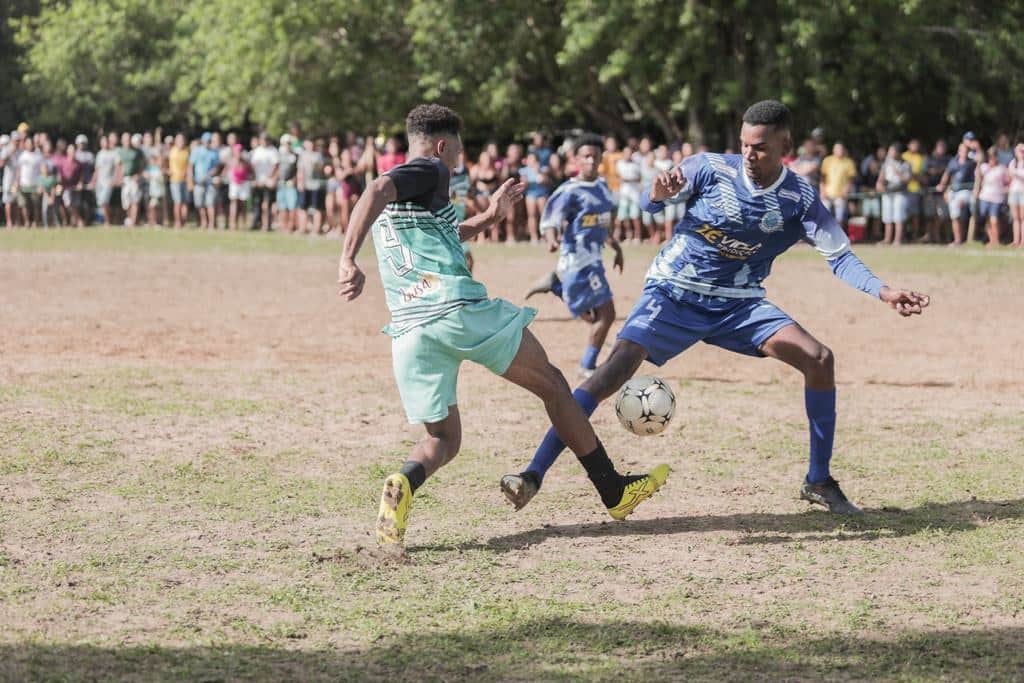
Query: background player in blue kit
[576, 221]
[742, 211]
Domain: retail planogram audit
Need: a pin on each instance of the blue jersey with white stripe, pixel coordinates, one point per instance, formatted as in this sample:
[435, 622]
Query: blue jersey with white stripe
[732, 231]
[582, 212]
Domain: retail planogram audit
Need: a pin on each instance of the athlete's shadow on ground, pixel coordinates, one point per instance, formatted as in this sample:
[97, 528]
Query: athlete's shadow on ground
[765, 527]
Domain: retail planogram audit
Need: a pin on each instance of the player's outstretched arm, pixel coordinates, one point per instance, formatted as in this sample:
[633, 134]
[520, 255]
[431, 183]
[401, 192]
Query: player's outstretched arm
[371, 203]
[821, 230]
[503, 199]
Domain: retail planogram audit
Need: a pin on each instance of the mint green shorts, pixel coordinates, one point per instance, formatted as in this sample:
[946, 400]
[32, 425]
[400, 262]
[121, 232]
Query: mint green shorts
[426, 359]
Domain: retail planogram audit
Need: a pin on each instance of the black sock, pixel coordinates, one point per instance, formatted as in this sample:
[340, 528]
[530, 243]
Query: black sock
[609, 483]
[415, 473]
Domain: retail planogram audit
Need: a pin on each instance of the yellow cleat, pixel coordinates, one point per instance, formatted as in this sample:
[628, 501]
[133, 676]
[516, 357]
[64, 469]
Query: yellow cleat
[638, 491]
[395, 501]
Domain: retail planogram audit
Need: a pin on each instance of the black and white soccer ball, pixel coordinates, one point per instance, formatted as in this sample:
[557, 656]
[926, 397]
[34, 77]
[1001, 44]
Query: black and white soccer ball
[645, 405]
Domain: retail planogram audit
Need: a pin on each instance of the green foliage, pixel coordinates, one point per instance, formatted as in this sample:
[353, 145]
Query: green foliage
[99, 63]
[866, 71]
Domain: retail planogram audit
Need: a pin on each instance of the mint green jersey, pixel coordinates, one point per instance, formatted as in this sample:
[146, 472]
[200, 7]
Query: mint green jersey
[422, 265]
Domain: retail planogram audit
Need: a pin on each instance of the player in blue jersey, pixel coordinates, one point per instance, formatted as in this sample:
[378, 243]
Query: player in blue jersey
[576, 222]
[742, 211]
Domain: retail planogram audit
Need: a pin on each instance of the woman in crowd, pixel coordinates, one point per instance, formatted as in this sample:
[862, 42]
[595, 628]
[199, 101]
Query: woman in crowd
[1016, 196]
[155, 179]
[991, 186]
[486, 178]
[239, 186]
[537, 192]
[349, 189]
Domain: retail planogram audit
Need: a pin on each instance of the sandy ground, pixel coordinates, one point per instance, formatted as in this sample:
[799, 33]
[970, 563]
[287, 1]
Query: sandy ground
[185, 430]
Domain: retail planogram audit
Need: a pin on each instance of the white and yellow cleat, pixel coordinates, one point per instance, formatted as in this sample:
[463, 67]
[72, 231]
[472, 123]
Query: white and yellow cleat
[395, 502]
[638, 491]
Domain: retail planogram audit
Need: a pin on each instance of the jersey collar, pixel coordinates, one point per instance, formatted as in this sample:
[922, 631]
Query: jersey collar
[754, 190]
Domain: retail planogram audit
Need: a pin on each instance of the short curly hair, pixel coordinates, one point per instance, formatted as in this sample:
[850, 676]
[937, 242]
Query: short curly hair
[431, 120]
[587, 139]
[769, 113]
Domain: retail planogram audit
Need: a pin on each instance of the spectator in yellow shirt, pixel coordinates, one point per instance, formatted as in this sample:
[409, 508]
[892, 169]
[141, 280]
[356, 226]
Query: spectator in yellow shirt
[916, 159]
[608, 171]
[177, 164]
[837, 175]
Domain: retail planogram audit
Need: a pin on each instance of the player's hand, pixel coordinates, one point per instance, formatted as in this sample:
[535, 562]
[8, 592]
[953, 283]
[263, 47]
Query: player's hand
[667, 184]
[350, 280]
[506, 196]
[553, 245]
[906, 302]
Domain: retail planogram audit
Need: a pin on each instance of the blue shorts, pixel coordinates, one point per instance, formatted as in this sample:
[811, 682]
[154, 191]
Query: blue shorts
[667, 326]
[988, 210]
[584, 290]
[204, 195]
[287, 197]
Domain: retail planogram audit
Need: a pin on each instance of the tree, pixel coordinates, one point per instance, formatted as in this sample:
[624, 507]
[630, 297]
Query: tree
[321, 63]
[12, 104]
[101, 63]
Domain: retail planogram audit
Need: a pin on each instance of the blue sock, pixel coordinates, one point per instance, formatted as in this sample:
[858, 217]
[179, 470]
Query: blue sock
[552, 446]
[589, 360]
[821, 414]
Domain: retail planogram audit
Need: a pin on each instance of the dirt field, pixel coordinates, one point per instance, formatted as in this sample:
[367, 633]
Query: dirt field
[195, 429]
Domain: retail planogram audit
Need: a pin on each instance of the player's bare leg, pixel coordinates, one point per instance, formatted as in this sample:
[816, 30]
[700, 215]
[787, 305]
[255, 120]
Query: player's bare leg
[432, 452]
[600, 320]
[532, 370]
[795, 347]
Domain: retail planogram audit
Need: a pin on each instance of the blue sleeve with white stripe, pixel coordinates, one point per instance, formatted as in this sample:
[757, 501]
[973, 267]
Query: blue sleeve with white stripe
[822, 230]
[556, 211]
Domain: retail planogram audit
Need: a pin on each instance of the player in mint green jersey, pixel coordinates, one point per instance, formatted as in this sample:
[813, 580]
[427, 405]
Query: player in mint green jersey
[441, 316]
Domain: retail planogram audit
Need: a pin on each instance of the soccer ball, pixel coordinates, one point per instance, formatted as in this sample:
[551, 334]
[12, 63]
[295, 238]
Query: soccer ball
[645, 405]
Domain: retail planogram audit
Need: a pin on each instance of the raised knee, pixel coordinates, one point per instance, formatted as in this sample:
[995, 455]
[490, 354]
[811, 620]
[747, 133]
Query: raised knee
[824, 362]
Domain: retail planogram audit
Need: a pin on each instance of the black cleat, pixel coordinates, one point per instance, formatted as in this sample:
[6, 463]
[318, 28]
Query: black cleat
[543, 285]
[828, 494]
[519, 489]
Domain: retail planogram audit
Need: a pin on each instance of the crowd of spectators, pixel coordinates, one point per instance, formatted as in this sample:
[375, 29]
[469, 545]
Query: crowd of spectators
[308, 185]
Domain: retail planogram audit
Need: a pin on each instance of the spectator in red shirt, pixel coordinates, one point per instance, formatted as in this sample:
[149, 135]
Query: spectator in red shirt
[69, 173]
[391, 157]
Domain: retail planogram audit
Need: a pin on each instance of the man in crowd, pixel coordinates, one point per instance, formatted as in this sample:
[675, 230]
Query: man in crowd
[871, 205]
[958, 184]
[287, 192]
[204, 165]
[610, 173]
[808, 162]
[630, 174]
[310, 180]
[838, 173]
[935, 212]
[915, 159]
[177, 166]
[131, 164]
[26, 183]
[106, 175]
[264, 160]
[88, 161]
